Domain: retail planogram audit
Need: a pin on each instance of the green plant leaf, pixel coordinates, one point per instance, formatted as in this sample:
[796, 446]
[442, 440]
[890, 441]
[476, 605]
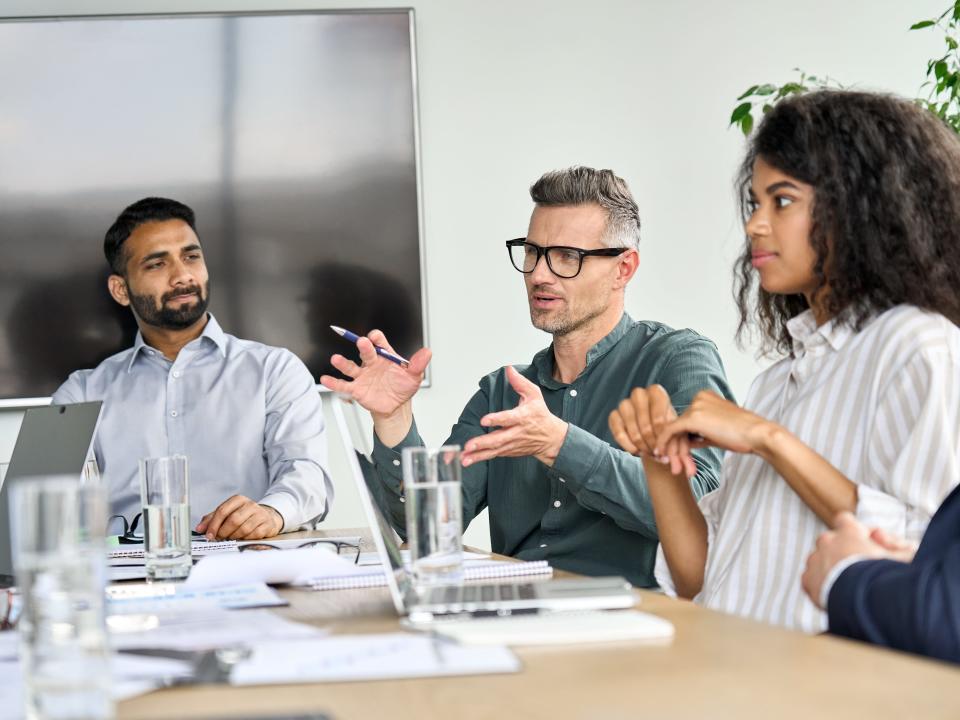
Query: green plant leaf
[940, 69]
[746, 124]
[750, 91]
[923, 24]
[767, 108]
[766, 89]
[739, 112]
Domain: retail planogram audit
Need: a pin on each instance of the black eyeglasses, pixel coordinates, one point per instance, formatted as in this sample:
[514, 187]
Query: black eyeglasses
[342, 548]
[129, 535]
[563, 261]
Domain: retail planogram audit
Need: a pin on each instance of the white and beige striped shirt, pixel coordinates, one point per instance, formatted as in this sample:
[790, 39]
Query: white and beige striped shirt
[882, 406]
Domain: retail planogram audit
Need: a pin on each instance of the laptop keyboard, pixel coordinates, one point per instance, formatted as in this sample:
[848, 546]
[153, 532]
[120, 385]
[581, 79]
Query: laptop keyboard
[488, 593]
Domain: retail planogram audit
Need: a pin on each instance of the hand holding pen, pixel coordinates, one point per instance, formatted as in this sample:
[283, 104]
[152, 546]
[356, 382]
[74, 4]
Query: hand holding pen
[383, 381]
[382, 352]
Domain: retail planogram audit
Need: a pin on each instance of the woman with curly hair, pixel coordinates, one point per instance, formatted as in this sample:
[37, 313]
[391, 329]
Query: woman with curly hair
[851, 270]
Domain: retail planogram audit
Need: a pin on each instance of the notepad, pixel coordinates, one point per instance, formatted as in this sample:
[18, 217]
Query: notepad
[373, 576]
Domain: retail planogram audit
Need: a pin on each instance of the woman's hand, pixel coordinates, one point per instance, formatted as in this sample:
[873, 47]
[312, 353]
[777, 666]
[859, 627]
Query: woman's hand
[640, 419]
[713, 421]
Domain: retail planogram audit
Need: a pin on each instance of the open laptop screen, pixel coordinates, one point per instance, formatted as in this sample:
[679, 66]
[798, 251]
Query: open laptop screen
[53, 440]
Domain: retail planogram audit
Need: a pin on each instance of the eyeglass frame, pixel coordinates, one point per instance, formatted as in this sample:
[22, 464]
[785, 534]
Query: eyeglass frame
[129, 536]
[338, 544]
[545, 253]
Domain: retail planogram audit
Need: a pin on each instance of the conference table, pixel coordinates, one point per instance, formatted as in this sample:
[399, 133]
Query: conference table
[716, 666]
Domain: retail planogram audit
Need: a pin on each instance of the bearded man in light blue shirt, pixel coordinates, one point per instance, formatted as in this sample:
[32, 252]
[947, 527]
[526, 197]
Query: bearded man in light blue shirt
[247, 415]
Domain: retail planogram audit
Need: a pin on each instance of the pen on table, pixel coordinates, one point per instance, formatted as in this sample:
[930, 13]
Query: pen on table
[353, 337]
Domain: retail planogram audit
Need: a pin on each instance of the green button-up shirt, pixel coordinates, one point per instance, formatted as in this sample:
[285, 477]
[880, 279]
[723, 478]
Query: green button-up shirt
[591, 512]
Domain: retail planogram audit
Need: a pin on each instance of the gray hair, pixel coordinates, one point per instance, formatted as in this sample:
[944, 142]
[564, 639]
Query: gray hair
[582, 185]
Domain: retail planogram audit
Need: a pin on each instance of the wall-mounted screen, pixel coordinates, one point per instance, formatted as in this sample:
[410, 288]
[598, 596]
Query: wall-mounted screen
[293, 136]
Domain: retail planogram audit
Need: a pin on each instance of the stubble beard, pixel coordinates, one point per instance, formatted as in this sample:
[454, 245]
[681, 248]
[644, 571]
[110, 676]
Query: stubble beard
[565, 322]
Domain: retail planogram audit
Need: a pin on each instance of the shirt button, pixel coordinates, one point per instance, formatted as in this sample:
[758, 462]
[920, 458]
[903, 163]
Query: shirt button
[402, 499]
[543, 545]
[176, 373]
[396, 462]
[557, 503]
[573, 393]
[173, 413]
[562, 480]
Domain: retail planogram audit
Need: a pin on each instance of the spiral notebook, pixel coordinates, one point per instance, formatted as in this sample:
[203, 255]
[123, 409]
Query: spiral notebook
[374, 576]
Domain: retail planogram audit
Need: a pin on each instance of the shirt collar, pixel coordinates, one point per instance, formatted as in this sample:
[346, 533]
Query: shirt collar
[212, 333]
[543, 361]
[807, 336]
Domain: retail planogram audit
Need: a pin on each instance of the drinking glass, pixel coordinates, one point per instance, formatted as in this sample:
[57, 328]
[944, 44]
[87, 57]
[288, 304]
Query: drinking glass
[165, 494]
[431, 481]
[59, 559]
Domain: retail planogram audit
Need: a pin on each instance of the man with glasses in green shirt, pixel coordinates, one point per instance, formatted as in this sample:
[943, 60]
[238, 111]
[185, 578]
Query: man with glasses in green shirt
[537, 450]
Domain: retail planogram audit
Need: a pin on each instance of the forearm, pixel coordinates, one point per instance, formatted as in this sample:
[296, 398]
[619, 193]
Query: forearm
[823, 488]
[392, 428]
[682, 527]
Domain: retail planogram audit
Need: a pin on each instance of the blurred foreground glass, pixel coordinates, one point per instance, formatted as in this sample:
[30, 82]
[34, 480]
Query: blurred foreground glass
[165, 495]
[431, 482]
[59, 558]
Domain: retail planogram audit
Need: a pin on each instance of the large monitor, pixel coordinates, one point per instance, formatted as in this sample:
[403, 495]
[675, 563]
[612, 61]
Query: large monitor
[292, 135]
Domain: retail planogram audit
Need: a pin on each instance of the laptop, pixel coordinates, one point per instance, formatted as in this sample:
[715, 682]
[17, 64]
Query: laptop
[463, 601]
[53, 440]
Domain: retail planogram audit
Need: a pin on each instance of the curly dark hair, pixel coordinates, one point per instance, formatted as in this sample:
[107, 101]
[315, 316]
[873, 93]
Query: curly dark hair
[886, 209]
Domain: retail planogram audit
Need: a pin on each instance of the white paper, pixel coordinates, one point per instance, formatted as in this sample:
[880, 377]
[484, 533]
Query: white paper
[368, 657]
[373, 558]
[169, 597]
[289, 566]
[132, 554]
[132, 675]
[205, 630]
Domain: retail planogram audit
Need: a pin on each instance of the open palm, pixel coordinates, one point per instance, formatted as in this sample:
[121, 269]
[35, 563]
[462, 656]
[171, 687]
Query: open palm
[377, 384]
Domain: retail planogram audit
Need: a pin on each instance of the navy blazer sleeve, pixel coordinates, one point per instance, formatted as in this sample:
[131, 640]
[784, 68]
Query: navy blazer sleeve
[907, 606]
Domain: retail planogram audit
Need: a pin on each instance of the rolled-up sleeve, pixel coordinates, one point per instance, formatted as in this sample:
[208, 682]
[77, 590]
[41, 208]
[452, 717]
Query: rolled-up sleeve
[914, 455]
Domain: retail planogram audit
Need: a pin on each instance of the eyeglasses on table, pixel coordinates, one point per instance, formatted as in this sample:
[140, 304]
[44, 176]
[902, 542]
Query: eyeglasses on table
[345, 549]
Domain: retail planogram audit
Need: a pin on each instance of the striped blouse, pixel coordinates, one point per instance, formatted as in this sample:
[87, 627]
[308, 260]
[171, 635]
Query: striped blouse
[882, 405]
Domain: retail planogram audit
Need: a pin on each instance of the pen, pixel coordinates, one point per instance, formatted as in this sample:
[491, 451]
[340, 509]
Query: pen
[353, 337]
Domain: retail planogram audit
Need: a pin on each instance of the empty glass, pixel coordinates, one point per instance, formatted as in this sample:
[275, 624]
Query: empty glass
[431, 482]
[59, 560]
[165, 494]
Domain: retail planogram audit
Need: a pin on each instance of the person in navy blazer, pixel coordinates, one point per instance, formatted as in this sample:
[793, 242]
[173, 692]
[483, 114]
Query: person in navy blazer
[874, 587]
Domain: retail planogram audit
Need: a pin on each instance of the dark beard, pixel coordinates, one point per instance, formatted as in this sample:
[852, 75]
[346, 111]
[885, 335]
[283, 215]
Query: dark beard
[167, 318]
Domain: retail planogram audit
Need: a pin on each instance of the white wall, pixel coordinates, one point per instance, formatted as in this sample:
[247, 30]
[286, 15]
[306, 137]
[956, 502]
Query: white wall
[510, 88]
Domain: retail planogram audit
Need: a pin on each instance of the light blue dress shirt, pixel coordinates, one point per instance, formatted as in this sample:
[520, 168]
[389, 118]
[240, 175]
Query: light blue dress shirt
[248, 416]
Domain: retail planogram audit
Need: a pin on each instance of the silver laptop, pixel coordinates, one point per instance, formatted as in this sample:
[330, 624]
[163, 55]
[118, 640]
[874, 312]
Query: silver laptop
[53, 440]
[601, 593]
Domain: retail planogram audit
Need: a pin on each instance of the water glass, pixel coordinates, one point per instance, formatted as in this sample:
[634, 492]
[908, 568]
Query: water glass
[59, 557]
[165, 494]
[434, 513]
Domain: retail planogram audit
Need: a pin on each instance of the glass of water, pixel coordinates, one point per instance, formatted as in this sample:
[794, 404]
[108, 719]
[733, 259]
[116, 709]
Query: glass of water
[434, 513]
[59, 559]
[165, 494]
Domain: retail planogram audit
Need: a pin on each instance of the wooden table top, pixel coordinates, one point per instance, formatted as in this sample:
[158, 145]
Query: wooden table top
[717, 666]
